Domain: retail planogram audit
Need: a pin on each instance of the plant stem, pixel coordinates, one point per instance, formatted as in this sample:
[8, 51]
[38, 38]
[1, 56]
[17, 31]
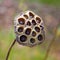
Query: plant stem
[50, 45]
[10, 49]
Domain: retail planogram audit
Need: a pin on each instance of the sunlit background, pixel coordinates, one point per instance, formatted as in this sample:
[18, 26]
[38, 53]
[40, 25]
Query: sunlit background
[49, 10]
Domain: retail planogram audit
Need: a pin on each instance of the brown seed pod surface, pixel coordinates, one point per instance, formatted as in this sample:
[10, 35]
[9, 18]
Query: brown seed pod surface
[29, 29]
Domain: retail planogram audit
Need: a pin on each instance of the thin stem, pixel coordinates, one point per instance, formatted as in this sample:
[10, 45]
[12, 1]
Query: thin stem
[10, 49]
[50, 45]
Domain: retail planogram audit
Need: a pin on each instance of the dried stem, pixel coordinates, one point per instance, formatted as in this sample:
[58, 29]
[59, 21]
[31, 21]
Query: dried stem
[10, 49]
[51, 43]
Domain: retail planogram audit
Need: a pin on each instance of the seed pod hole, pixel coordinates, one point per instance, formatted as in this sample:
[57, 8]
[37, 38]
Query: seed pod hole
[28, 31]
[31, 14]
[33, 22]
[33, 33]
[26, 16]
[37, 29]
[32, 40]
[38, 19]
[21, 21]
[20, 29]
[29, 23]
[23, 38]
[40, 37]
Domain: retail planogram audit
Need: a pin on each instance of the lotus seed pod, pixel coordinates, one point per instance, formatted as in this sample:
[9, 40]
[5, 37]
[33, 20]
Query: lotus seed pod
[29, 29]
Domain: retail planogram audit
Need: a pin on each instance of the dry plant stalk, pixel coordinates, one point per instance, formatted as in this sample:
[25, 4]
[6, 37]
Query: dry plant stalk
[10, 49]
[51, 43]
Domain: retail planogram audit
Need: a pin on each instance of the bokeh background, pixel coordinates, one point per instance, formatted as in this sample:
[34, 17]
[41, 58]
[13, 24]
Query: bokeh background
[49, 10]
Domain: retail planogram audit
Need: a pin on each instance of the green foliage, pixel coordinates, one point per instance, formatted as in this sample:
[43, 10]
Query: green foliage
[49, 2]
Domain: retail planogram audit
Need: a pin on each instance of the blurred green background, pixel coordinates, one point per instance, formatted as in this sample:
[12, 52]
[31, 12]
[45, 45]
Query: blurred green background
[49, 10]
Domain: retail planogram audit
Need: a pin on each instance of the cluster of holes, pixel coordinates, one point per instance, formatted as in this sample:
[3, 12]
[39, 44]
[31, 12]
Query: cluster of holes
[23, 38]
[39, 38]
[31, 15]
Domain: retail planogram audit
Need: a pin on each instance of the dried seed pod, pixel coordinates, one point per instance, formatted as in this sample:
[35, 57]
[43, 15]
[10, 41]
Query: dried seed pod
[30, 30]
